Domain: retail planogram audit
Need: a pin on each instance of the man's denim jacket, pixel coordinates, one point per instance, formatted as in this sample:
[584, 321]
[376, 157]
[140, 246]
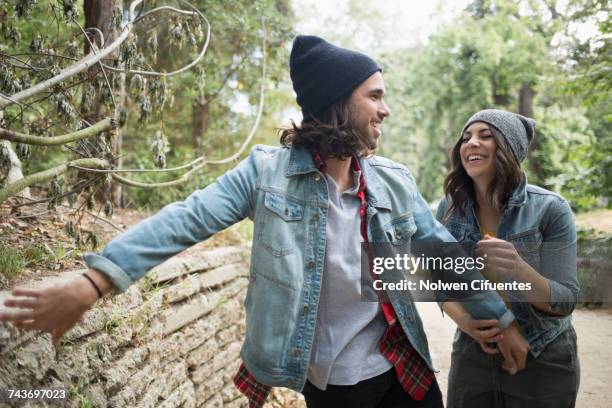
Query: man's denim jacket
[283, 192]
[540, 224]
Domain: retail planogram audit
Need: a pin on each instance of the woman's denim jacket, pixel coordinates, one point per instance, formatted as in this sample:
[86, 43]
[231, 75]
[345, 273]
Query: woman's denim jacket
[540, 224]
[287, 197]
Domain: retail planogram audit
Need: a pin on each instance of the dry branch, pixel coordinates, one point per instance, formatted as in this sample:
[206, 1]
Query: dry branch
[84, 64]
[185, 177]
[46, 175]
[93, 130]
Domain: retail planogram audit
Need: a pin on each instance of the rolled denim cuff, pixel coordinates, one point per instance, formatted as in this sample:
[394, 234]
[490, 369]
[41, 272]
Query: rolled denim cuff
[506, 319]
[562, 300]
[120, 279]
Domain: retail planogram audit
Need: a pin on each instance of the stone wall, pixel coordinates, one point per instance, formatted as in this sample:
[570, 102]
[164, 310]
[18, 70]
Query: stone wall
[172, 340]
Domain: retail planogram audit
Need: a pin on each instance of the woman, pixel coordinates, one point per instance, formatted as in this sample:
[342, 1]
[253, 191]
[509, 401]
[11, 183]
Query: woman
[529, 237]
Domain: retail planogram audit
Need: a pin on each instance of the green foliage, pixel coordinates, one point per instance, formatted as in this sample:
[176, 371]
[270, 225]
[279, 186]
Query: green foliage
[150, 289]
[113, 321]
[593, 245]
[44, 38]
[485, 58]
[34, 253]
[75, 393]
[153, 199]
[565, 144]
[468, 65]
[11, 262]
[59, 252]
[209, 110]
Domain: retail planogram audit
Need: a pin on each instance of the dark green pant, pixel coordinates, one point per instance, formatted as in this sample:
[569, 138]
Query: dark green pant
[476, 379]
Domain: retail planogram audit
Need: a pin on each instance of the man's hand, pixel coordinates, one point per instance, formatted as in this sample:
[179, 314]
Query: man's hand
[514, 348]
[56, 308]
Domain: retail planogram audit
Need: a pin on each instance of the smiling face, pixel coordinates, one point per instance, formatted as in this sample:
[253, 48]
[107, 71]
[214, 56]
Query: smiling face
[478, 148]
[368, 109]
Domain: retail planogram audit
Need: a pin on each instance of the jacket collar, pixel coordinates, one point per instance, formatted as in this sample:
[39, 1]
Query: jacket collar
[518, 198]
[300, 162]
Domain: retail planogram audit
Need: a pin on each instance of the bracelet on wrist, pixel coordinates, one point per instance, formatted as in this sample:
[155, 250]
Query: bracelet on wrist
[94, 285]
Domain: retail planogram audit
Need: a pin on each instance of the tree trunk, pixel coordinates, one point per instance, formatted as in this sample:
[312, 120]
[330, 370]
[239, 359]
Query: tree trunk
[525, 108]
[500, 97]
[10, 170]
[526, 100]
[10, 167]
[98, 13]
[200, 119]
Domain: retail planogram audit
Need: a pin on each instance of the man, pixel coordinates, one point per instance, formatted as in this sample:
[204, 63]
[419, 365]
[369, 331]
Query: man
[313, 201]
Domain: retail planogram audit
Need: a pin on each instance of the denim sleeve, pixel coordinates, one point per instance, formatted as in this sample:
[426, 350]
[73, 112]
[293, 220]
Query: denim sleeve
[558, 258]
[178, 226]
[482, 305]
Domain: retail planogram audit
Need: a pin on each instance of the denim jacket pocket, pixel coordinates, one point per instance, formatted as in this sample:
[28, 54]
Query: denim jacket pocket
[281, 217]
[271, 307]
[457, 230]
[527, 244]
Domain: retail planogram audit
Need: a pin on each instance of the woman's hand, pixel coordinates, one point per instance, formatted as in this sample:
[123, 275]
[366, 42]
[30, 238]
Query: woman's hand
[514, 348]
[55, 309]
[501, 258]
[483, 331]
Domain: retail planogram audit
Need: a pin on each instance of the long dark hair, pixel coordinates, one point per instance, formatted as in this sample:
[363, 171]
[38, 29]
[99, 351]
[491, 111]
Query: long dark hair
[459, 187]
[330, 134]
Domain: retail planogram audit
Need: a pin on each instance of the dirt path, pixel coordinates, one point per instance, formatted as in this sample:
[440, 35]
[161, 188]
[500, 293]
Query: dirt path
[594, 329]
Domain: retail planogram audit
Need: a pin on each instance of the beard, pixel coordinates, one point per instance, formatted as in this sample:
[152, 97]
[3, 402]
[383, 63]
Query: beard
[363, 134]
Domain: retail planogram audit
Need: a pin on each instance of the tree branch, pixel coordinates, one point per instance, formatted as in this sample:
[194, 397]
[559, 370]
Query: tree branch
[186, 67]
[74, 69]
[46, 175]
[93, 130]
[185, 177]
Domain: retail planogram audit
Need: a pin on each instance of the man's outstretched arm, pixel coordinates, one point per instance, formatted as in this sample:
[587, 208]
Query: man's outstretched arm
[178, 226]
[132, 254]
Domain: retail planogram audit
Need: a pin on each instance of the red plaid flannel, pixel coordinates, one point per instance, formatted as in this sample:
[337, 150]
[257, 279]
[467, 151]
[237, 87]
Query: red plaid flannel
[412, 372]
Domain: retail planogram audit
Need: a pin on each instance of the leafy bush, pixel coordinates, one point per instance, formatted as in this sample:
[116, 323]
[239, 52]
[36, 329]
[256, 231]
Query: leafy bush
[594, 252]
[11, 262]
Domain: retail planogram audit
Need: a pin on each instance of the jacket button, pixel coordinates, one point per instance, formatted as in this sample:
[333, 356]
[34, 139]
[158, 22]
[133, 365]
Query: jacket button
[311, 264]
[305, 309]
[315, 217]
[295, 352]
[317, 177]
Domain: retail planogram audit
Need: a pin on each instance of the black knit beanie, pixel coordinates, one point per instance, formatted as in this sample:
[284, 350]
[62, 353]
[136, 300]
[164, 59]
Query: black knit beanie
[323, 73]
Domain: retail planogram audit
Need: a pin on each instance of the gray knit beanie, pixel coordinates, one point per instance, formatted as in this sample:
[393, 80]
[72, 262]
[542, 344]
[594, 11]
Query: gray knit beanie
[516, 129]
